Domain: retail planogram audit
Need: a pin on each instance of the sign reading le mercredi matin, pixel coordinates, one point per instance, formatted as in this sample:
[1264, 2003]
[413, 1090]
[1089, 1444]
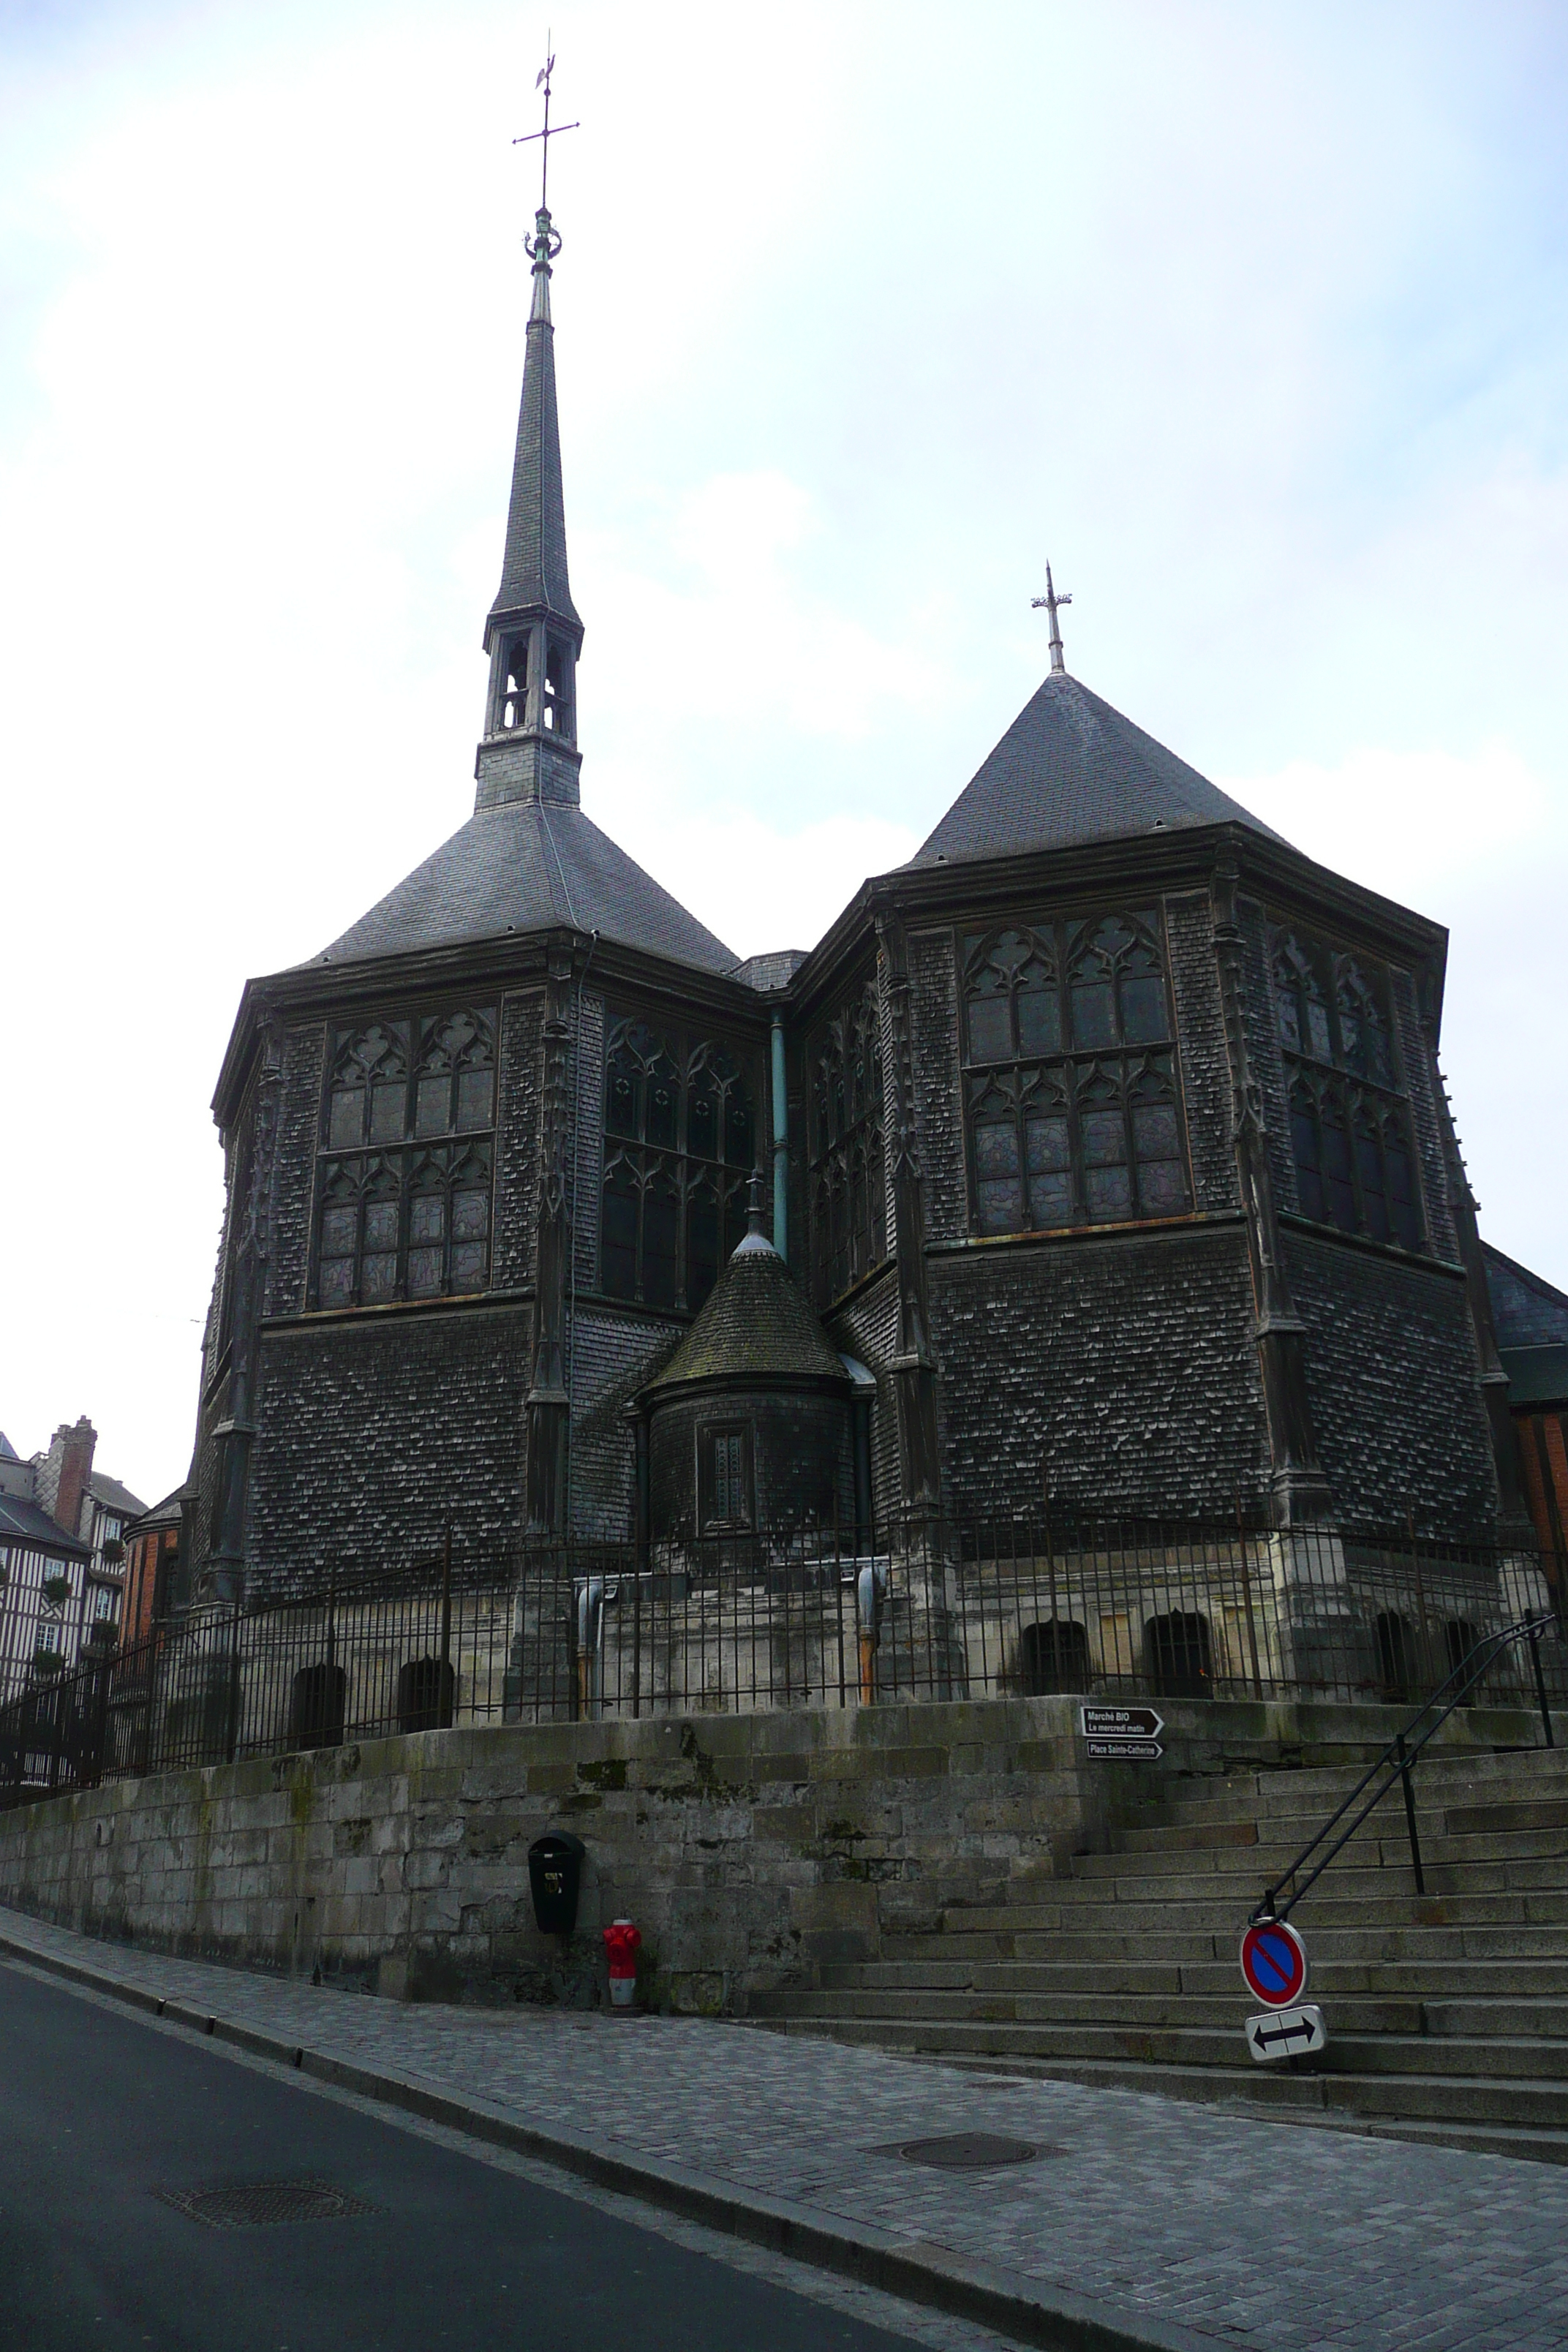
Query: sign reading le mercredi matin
[1122, 1734]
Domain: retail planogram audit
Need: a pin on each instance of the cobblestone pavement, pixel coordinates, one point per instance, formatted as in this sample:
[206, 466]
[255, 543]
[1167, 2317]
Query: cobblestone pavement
[1250, 2233]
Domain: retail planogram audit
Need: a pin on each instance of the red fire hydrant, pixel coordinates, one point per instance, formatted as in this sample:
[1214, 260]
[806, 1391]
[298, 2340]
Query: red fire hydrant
[622, 1943]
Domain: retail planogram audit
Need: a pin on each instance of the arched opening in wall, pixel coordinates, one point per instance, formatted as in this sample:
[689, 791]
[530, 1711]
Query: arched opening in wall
[318, 1699]
[1178, 1655]
[1053, 1657]
[1395, 1656]
[1459, 1638]
[426, 1690]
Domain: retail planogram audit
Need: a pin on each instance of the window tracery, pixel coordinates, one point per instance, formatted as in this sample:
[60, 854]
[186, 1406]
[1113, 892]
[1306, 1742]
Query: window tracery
[680, 1145]
[848, 1191]
[1073, 1106]
[1350, 1129]
[408, 1159]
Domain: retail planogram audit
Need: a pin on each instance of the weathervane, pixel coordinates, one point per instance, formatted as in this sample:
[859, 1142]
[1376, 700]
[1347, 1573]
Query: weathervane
[1052, 604]
[550, 131]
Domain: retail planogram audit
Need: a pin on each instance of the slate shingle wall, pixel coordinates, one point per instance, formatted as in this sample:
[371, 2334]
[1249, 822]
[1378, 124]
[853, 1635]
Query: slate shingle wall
[868, 1330]
[938, 1085]
[589, 1137]
[374, 1430]
[1392, 1380]
[1124, 1368]
[1204, 1061]
[294, 1168]
[1421, 1077]
[516, 1141]
[612, 1355]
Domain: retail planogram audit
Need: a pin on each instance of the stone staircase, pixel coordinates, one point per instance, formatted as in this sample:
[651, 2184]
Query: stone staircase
[1448, 2014]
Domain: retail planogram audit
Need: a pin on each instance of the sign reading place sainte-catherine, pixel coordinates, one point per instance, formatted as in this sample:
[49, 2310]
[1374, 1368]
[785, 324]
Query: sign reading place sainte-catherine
[1122, 1734]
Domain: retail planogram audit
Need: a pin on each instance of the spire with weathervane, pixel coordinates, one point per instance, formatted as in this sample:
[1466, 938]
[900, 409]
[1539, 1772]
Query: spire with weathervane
[533, 635]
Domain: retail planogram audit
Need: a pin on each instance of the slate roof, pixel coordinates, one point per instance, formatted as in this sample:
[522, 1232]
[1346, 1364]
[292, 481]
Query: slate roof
[1527, 1310]
[533, 568]
[29, 1523]
[113, 1494]
[1531, 1319]
[7, 1451]
[756, 1325]
[1071, 770]
[529, 867]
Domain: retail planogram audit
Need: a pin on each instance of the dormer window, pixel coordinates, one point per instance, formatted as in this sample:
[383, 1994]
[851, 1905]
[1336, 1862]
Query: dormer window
[556, 700]
[514, 684]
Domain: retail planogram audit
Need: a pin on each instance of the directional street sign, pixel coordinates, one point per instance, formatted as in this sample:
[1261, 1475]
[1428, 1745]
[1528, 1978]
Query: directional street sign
[1274, 1963]
[1119, 1723]
[1287, 2034]
[1131, 1734]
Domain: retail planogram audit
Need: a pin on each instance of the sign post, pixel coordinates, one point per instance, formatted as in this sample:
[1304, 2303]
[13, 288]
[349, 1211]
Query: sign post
[1122, 1733]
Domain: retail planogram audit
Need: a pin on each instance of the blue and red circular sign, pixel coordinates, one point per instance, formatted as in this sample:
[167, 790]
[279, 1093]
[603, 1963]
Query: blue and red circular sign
[1274, 1963]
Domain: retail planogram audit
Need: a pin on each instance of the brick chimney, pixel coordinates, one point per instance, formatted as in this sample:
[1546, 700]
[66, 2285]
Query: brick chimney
[64, 1472]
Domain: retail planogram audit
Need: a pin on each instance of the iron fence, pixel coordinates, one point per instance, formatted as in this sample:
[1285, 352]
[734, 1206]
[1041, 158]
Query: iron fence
[935, 1609]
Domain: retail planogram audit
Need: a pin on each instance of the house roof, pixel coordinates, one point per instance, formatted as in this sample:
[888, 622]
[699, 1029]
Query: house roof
[1071, 770]
[1527, 1310]
[163, 1514]
[113, 1496]
[756, 1325]
[28, 1523]
[529, 866]
[7, 1451]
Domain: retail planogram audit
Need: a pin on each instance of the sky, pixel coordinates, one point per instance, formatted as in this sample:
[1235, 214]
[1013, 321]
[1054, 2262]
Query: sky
[1249, 318]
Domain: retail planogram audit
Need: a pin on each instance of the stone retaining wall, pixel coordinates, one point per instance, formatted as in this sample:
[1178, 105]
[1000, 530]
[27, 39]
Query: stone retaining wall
[751, 1850]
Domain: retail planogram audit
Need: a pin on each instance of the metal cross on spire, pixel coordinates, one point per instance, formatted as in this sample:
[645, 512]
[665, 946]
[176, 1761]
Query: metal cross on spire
[551, 131]
[1052, 604]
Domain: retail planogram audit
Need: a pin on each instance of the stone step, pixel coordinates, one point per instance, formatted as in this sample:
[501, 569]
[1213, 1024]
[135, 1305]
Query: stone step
[1454, 1833]
[1448, 1982]
[1521, 1776]
[1383, 2033]
[1383, 1902]
[1149, 2060]
[1164, 1939]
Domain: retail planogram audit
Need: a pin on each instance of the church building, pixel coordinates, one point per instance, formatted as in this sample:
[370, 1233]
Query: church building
[1104, 1157]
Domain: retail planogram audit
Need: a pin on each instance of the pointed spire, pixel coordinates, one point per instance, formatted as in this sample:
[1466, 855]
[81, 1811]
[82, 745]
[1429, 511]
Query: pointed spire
[532, 632]
[1052, 604]
[533, 571]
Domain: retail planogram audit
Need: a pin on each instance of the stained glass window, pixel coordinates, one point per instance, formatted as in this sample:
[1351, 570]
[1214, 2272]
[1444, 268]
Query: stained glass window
[1074, 1111]
[680, 1145]
[1350, 1126]
[405, 1207]
[846, 1192]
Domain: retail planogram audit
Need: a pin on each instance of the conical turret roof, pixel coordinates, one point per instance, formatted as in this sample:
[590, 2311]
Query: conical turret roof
[756, 1326]
[1071, 770]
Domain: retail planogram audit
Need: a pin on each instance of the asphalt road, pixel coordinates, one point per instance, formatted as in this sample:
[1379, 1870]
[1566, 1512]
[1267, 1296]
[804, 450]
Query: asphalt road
[98, 2112]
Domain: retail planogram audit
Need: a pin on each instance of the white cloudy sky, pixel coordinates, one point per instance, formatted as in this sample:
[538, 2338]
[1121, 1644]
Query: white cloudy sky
[1252, 317]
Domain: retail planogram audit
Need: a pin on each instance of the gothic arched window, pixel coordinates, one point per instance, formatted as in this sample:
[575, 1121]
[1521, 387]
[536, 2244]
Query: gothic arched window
[404, 1212]
[846, 1192]
[1071, 1116]
[1349, 1127]
[679, 1145]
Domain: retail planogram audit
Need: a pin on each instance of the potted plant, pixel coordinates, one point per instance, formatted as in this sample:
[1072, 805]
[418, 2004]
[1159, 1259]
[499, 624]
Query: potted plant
[56, 1590]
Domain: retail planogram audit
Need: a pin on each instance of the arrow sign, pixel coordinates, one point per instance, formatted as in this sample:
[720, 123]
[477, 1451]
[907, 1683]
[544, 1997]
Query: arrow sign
[1274, 1963]
[1119, 1723]
[1287, 2034]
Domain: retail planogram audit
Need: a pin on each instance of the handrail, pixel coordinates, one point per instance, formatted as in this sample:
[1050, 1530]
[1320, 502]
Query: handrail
[1399, 1757]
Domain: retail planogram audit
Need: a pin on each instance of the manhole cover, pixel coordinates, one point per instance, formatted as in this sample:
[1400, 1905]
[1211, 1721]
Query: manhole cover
[970, 2151]
[256, 2204]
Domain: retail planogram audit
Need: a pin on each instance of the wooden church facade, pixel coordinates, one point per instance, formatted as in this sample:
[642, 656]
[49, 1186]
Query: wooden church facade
[1106, 1140]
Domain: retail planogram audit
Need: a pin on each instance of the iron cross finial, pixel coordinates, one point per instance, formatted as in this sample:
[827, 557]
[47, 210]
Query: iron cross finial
[1052, 604]
[551, 131]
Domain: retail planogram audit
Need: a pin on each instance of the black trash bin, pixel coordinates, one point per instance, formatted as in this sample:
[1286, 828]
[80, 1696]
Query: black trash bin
[556, 1875]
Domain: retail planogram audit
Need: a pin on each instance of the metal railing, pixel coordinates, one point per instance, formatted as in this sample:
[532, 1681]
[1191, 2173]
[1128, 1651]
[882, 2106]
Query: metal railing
[748, 1622]
[1395, 1767]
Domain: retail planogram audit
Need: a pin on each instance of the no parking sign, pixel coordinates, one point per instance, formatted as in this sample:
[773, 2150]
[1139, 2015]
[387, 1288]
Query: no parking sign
[1274, 1963]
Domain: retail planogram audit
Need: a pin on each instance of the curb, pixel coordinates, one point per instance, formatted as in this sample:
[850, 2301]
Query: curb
[917, 2269]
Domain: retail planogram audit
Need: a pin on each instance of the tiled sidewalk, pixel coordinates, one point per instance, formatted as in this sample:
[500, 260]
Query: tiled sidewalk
[1167, 2218]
